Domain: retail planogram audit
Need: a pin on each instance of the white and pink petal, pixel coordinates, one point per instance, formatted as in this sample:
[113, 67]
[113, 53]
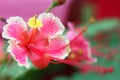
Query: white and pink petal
[58, 47]
[14, 29]
[52, 25]
[18, 53]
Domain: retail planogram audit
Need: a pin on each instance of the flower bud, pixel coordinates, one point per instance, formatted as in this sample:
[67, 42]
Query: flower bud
[58, 2]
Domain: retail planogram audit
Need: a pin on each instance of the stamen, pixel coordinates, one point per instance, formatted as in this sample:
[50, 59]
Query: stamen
[35, 19]
[79, 34]
[110, 69]
[84, 29]
[103, 70]
[34, 22]
[84, 66]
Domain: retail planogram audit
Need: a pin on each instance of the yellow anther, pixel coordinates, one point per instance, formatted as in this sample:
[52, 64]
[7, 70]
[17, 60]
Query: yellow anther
[72, 56]
[34, 22]
[92, 20]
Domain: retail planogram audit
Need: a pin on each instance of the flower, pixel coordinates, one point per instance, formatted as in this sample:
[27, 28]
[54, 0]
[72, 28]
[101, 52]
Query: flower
[80, 55]
[41, 42]
[80, 48]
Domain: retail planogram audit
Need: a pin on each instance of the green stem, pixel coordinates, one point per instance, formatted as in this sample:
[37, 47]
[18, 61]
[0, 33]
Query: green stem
[49, 8]
[5, 58]
[5, 65]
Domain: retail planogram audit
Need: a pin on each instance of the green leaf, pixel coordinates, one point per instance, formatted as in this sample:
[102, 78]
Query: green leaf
[37, 74]
[11, 70]
[61, 78]
[101, 26]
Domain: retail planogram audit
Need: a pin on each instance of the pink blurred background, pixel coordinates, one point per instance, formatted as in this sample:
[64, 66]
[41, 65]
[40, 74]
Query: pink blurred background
[28, 8]
[70, 11]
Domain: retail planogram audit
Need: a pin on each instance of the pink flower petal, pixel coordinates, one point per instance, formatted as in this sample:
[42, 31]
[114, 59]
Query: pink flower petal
[39, 61]
[71, 34]
[82, 44]
[52, 26]
[14, 29]
[58, 47]
[41, 43]
[18, 53]
[78, 44]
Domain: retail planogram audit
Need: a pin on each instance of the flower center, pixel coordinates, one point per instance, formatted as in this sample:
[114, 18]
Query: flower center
[34, 22]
